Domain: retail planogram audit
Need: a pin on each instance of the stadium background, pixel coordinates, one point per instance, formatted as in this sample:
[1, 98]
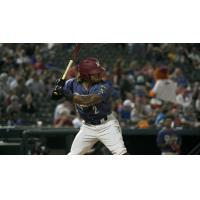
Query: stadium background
[31, 124]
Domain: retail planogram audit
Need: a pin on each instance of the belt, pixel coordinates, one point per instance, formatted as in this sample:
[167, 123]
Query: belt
[97, 122]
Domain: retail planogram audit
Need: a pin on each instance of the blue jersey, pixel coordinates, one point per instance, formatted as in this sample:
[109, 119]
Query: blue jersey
[95, 112]
[167, 137]
[160, 119]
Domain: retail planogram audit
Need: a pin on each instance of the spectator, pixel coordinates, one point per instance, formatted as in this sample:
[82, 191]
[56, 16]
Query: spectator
[63, 120]
[21, 57]
[14, 105]
[179, 78]
[14, 119]
[62, 106]
[11, 75]
[35, 85]
[125, 111]
[28, 106]
[4, 82]
[168, 140]
[3, 91]
[39, 65]
[189, 119]
[184, 98]
[135, 116]
[143, 123]
[126, 85]
[161, 116]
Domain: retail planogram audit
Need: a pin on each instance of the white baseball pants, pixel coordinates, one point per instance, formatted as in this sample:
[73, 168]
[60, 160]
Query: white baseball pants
[109, 133]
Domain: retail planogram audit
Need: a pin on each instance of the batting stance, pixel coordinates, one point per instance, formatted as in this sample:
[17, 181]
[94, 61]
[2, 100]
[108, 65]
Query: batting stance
[92, 98]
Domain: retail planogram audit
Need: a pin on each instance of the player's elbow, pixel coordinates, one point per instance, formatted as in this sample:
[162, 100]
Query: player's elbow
[95, 99]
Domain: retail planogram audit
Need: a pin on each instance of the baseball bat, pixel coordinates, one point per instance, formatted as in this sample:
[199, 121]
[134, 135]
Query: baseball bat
[71, 61]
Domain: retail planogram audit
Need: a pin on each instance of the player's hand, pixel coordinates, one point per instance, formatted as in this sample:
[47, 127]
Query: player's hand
[58, 90]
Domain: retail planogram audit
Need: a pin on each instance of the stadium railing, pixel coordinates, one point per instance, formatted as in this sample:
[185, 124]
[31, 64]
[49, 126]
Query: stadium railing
[16, 140]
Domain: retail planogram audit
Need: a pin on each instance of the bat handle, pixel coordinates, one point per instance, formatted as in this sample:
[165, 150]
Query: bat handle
[68, 66]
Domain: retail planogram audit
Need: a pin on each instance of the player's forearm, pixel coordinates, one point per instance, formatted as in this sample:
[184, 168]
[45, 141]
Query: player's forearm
[87, 100]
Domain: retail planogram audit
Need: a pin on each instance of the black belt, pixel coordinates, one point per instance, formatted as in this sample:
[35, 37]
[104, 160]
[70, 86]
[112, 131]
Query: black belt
[96, 122]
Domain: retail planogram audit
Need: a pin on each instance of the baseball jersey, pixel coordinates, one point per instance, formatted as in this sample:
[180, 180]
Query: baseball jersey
[165, 90]
[95, 112]
[167, 137]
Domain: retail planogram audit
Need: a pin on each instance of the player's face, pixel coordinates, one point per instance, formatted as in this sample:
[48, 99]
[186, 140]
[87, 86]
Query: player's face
[95, 78]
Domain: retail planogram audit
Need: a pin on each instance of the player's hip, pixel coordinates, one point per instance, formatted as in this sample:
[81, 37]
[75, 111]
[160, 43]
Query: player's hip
[110, 120]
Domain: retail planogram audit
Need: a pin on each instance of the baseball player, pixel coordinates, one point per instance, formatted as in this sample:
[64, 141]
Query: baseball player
[92, 98]
[168, 140]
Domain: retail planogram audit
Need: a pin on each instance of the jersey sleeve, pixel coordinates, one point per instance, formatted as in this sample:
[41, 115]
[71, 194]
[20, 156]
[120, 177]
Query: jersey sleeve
[68, 87]
[104, 90]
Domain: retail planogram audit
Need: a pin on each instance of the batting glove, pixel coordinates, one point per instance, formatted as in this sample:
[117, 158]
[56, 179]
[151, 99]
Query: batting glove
[58, 90]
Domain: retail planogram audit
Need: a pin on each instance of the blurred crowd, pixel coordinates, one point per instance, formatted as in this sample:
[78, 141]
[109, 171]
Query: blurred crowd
[28, 73]
[25, 82]
[132, 103]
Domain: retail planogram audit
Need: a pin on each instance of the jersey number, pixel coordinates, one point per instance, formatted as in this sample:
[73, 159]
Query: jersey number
[95, 110]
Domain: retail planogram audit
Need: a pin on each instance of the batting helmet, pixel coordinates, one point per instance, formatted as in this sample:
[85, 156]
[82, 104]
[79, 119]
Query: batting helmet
[89, 66]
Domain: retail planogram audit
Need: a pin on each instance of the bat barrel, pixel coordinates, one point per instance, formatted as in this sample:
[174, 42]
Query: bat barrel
[67, 69]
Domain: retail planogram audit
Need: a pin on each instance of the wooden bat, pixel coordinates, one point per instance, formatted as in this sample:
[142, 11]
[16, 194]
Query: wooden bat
[72, 60]
[67, 69]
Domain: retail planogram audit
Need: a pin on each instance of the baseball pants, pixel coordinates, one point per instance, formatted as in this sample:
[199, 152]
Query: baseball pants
[109, 133]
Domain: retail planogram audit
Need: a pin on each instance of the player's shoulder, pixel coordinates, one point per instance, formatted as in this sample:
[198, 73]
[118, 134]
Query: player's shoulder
[70, 84]
[71, 81]
[101, 87]
[106, 83]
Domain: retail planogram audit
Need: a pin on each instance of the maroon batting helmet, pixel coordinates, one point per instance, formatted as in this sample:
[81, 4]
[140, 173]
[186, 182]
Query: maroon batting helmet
[89, 66]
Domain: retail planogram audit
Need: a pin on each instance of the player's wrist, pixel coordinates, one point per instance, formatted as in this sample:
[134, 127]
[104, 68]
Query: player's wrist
[58, 90]
[60, 82]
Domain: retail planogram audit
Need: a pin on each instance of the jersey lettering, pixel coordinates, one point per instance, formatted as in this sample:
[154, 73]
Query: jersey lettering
[95, 112]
